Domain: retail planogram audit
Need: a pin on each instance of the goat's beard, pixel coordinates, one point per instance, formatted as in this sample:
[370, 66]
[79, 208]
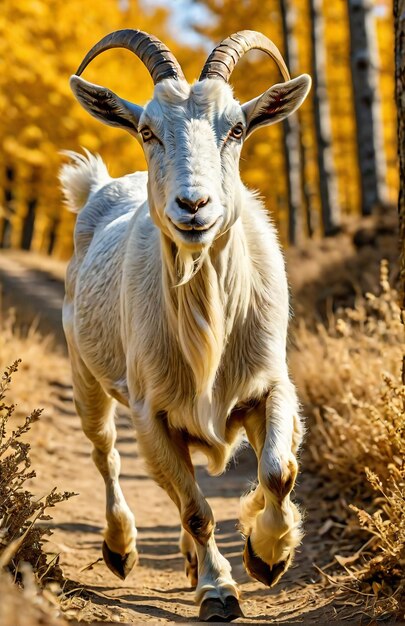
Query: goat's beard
[196, 317]
[187, 264]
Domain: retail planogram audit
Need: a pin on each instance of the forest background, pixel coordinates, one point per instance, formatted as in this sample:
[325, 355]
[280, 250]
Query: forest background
[336, 158]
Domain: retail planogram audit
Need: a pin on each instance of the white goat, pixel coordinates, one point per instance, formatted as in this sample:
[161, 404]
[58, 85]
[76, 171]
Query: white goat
[177, 306]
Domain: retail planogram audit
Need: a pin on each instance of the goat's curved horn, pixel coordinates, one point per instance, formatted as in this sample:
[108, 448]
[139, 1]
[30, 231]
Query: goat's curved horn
[157, 58]
[224, 57]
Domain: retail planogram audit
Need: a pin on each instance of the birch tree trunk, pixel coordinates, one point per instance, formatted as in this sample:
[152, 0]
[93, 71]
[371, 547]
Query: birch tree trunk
[297, 200]
[399, 17]
[364, 62]
[327, 176]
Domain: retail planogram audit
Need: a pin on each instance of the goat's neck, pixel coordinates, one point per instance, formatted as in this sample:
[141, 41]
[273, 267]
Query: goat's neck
[232, 266]
[202, 311]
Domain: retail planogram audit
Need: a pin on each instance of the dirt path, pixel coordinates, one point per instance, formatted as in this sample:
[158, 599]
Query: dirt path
[157, 589]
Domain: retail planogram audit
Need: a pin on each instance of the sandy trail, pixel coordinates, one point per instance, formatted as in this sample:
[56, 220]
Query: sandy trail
[157, 590]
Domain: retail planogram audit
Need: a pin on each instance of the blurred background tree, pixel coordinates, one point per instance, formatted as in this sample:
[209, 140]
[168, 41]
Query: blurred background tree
[322, 148]
[330, 203]
[367, 104]
[298, 201]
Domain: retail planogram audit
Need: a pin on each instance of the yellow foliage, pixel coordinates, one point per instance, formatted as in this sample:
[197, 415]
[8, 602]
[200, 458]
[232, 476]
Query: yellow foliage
[43, 41]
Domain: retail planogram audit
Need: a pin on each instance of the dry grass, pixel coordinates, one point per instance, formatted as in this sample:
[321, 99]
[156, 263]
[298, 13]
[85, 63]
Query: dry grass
[27, 605]
[350, 381]
[42, 362]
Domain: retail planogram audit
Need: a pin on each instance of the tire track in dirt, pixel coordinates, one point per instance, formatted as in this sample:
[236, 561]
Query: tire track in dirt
[157, 590]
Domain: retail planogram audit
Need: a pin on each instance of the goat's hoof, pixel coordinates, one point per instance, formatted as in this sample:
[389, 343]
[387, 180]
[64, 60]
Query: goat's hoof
[192, 569]
[269, 575]
[217, 610]
[118, 564]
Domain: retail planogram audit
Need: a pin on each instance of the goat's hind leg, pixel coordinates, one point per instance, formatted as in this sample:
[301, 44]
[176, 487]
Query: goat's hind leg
[96, 410]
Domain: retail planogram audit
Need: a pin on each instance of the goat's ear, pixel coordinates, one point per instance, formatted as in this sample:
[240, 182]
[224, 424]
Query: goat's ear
[276, 103]
[106, 106]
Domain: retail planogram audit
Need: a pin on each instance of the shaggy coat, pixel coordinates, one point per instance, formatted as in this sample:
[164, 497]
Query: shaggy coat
[177, 307]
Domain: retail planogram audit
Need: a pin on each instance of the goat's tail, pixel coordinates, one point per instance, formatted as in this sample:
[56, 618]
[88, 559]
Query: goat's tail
[84, 175]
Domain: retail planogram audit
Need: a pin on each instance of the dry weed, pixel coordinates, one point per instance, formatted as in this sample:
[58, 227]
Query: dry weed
[350, 380]
[21, 534]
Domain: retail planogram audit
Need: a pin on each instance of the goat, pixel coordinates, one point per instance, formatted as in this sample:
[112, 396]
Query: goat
[177, 306]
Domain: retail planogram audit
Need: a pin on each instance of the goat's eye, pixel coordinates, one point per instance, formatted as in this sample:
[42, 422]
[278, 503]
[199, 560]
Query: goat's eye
[236, 132]
[146, 133]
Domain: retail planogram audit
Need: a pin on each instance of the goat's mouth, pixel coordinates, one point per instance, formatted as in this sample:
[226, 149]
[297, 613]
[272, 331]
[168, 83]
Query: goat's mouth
[194, 232]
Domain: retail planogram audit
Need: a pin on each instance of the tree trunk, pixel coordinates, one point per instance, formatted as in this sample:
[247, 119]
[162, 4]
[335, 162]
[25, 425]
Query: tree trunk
[28, 225]
[399, 17]
[292, 135]
[327, 176]
[53, 236]
[311, 217]
[364, 61]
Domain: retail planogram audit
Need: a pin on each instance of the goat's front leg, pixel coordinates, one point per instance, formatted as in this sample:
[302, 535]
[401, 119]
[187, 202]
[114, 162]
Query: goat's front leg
[167, 456]
[187, 548]
[270, 521]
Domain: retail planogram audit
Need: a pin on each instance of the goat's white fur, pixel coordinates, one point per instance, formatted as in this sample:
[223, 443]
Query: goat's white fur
[184, 331]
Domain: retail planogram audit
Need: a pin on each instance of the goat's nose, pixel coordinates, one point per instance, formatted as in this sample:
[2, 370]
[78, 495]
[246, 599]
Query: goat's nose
[192, 205]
